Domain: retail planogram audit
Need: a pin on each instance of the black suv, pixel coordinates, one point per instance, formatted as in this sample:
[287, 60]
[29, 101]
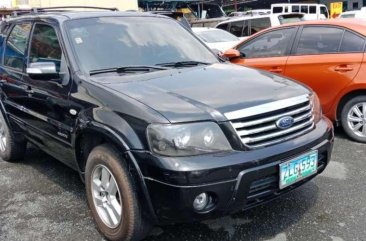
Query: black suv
[160, 129]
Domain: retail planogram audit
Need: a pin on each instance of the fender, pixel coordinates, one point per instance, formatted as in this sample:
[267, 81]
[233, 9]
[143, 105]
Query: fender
[118, 137]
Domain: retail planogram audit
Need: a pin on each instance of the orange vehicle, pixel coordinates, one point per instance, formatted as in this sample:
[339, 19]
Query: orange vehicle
[327, 55]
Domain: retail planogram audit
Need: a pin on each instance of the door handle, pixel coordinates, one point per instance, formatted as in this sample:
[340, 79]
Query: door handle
[343, 68]
[276, 70]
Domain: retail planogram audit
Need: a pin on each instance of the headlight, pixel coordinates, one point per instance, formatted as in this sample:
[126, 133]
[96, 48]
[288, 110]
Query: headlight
[317, 109]
[187, 139]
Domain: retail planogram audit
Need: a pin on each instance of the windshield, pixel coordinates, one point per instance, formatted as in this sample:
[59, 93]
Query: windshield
[216, 35]
[290, 19]
[112, 42]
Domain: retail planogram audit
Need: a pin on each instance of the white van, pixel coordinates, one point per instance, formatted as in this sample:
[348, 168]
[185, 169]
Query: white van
[247, 25]
[311, 11]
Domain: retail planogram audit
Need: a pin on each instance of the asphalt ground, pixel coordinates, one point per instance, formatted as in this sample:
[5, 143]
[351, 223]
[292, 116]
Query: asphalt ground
[41, 199]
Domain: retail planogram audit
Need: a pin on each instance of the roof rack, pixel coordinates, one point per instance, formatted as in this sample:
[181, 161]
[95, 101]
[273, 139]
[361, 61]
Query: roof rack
[38, 10]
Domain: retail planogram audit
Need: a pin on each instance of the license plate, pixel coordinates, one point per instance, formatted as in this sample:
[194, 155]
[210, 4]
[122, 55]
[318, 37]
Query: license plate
[298, 168]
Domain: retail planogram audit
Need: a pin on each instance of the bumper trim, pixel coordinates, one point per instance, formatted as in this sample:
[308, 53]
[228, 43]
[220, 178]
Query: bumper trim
[191, 186]
[242, 173]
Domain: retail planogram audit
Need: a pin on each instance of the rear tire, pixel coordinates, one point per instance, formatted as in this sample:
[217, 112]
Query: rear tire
[112, 196]
[353, 118]
[11, 150]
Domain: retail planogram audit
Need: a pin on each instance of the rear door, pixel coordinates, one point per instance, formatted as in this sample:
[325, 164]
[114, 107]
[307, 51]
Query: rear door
[268, 51]
[326, 58]
[12, 70]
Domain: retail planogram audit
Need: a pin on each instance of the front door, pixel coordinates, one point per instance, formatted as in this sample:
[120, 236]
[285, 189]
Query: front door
[268, 51]
[51, 124]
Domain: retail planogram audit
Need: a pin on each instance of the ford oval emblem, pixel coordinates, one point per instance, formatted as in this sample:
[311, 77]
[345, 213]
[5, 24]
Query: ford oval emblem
[285, 122]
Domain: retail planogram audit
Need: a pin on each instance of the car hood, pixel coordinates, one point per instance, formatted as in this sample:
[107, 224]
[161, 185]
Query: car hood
[203, 92]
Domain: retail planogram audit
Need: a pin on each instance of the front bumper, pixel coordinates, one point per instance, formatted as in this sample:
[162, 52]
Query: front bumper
[238, 180]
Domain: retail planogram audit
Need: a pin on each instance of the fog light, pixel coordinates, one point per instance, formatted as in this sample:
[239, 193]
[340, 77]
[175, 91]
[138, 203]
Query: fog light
[201, 202]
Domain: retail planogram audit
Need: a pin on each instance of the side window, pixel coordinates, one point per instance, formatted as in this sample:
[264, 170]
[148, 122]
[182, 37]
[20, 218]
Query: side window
[277, 10]
[304, 9]
[259, 24]
[236, 28]
[319, 40]
[312, 9]
[295, 9]
[352, 43]
[16, 46]
[223, 26]
[271, 44]
[45, 46]
[324, 11]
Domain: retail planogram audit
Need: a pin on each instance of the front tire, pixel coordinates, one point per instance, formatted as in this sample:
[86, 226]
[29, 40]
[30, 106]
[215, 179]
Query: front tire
[112, 196]
[11, 150]
[353, 118]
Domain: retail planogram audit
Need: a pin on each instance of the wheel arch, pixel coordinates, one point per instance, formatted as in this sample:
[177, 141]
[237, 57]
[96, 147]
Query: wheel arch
[345, 98]
[95, 134]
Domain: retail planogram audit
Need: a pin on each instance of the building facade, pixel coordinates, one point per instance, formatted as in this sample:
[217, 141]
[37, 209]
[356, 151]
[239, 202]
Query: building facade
[348, 5]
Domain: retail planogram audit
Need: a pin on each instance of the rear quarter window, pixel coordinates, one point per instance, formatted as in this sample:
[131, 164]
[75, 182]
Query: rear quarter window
[352, 43]
[277, 10]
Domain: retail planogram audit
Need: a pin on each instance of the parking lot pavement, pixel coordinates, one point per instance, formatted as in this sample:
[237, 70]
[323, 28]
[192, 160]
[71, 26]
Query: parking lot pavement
[41, 199]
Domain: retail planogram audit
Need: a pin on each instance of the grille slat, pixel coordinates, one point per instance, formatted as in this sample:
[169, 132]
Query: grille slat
[238, 125]
[260, 129]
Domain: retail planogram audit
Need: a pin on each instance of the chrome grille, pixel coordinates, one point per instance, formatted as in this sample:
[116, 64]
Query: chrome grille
[256, 126]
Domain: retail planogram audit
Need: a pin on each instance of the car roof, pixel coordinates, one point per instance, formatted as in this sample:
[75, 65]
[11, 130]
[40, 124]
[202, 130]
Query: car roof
[234, 19]
[351, 12]
[358, 25]
[64, 15]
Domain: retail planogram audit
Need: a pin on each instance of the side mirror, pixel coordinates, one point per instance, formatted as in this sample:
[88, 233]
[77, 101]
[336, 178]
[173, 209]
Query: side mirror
[43, 71]
[231, 54]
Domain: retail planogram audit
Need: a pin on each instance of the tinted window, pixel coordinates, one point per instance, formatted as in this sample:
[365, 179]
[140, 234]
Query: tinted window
[316, 40]
[277, 10]
[16, 46]
[352, 43]
[259, 24]
[312, 9]
[272, 44]
[236, 28]
[304, 9]
[324, 11]
[295, 9]
[223, 26]
[45, 46]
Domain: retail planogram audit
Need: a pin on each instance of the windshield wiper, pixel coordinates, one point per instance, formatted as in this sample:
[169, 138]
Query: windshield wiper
[183, 64]
[128, 69]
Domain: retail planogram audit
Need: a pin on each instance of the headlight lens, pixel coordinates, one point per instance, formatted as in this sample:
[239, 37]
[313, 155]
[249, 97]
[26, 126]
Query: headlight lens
[317, 109]
[187, 139]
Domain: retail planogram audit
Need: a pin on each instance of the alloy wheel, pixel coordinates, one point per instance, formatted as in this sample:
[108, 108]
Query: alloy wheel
[106, 196]
[356, 119]
[2, 136]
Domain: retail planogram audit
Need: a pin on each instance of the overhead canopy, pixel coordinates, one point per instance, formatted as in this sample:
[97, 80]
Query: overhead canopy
[167, 1]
